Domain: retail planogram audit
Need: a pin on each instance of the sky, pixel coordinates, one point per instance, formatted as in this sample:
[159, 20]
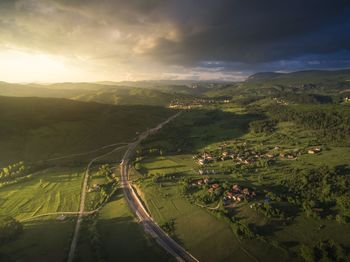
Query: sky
[118, 40]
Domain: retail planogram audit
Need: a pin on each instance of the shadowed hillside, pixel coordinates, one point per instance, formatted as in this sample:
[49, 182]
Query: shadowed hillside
[38, 128]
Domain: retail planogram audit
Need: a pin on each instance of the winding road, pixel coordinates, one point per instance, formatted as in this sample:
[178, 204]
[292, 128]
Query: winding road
[162, 238]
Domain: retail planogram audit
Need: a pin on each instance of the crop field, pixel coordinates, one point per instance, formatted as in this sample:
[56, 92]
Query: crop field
[52, 190]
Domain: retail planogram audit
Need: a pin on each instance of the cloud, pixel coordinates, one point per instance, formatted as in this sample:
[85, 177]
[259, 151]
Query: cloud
[145, 37]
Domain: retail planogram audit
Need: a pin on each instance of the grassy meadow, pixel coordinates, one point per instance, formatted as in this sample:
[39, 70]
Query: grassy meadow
[44, 238]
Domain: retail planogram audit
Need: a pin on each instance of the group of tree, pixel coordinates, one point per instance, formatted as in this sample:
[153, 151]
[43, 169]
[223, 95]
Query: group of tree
[332, 122]
[106, 170]
[169, 226]
[320, 191]
[266, 126]
[326, 250]
[12, 171]
[10, 229]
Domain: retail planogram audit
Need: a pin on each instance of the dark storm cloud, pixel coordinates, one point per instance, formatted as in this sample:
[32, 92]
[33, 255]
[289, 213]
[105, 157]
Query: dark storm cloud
[256, 31]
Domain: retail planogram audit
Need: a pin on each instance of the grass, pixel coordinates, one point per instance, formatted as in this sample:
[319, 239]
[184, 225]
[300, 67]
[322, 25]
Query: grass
[194, 227]
[207, 238]
[52, 190]
[43, 239]
[122, 237]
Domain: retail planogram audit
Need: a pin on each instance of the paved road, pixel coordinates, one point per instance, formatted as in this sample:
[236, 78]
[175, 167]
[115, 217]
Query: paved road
[137, 207]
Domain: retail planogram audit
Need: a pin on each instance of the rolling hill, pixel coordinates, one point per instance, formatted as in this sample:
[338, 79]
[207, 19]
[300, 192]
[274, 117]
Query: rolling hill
[38, 128]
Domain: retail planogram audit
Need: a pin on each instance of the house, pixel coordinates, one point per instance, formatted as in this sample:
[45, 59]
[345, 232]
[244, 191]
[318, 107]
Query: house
[215, 186]
[238, 197]
[269, 155]
[245, 191]
[282, 155]
[202, 161]
[229, 195]
[236, 188]
[200, 171]
[314, 150]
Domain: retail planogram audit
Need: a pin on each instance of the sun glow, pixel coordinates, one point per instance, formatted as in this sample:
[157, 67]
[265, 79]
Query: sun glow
[19, 66]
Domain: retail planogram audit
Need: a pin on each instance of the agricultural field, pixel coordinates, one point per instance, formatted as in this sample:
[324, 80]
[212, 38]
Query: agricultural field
[49, 191]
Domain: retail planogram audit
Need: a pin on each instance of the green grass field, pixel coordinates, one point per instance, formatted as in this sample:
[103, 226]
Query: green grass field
[45, 238]
[202, 233]
[205, 236]
[122, 237]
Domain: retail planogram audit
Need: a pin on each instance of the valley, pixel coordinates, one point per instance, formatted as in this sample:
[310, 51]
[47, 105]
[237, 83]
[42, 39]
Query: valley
[247, 171]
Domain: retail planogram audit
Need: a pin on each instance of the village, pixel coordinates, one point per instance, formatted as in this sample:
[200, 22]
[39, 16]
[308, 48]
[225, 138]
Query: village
[241, 154]
[196, 103]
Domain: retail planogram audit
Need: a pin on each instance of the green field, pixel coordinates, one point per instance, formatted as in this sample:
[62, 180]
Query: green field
[122, 237]
[205, 236]
[166, 159]
[45, 238]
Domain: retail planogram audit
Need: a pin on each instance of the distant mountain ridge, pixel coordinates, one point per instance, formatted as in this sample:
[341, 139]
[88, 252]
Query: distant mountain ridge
[261, 76]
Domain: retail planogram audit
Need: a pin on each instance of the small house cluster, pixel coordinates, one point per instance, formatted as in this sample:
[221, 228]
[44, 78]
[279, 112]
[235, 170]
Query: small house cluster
[238, 194]
[200, 182]
[204, 158]
[197, 102]
[243, 155]
[280, 101]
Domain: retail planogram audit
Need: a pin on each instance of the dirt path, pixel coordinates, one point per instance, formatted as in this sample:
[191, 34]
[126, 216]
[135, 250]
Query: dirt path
[82, 204]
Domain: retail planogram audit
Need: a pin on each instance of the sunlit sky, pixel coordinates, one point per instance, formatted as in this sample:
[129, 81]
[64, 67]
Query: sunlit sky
[100, 40]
